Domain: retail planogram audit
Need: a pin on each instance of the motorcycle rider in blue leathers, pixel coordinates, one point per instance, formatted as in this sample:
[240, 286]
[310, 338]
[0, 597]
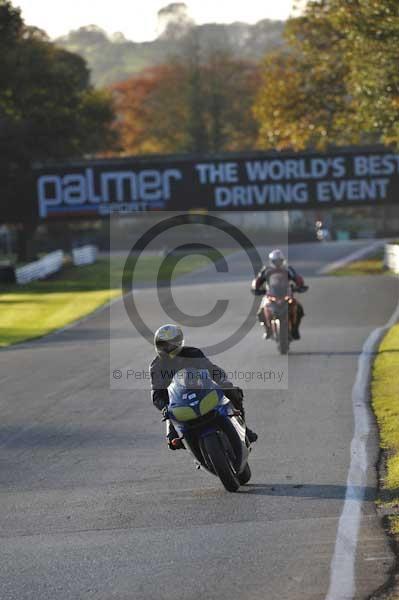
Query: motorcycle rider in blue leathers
[173, 356]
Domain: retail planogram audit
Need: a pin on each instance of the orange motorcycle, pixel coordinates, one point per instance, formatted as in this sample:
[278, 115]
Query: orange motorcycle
[279, 310]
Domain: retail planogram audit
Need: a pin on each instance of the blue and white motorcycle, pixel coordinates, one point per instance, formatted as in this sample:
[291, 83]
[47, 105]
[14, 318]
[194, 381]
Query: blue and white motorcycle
[210, 427]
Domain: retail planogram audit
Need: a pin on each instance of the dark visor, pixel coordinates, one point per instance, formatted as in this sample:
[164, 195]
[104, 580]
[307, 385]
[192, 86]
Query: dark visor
[167, 347]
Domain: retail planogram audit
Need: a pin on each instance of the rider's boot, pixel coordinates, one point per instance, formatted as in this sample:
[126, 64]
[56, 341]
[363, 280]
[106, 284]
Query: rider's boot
[251, 435]
[295, 333]
[295, 329]
[268, 333]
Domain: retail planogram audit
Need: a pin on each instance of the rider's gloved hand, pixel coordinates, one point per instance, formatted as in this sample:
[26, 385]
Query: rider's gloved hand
[165, 413]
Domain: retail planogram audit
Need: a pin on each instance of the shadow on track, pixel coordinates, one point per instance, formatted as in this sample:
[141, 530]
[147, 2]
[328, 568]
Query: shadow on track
[70, 437]
[327, 353]
[331, 492]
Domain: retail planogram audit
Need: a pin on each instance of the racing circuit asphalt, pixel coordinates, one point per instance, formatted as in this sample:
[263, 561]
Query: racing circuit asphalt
[94, 506]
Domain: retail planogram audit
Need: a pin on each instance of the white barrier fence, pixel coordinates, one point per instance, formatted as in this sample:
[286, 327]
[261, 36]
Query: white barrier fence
[40, 269]
[87, 255]
[391, 259]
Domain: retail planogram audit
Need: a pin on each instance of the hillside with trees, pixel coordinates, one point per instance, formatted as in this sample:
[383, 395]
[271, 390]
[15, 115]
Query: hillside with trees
[115, 58]
[333, 81]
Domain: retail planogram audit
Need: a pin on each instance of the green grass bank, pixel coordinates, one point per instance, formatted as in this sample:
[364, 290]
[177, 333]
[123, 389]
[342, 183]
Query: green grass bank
[39, 308]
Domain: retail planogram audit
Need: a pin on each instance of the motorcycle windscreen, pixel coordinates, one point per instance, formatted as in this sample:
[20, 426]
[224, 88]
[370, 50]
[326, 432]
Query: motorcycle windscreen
[192, 394]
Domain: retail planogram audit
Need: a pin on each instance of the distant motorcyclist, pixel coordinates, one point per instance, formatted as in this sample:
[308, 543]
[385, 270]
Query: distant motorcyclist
[277, 266]
[173, 356]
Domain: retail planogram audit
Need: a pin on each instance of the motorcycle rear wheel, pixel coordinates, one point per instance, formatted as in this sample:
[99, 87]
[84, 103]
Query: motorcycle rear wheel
[220, 462]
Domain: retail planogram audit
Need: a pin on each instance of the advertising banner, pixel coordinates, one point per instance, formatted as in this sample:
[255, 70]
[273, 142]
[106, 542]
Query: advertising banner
[242, 182]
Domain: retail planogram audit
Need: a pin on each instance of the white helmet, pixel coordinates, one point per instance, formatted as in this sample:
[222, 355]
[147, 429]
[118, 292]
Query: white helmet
[276, 258]
[169, 340]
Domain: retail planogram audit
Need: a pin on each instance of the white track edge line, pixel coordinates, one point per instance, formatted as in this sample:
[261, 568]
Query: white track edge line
[342, 570]
[358, 254]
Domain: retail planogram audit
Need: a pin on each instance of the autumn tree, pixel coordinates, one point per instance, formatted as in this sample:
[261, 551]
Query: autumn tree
[189, 106]
[150, 111]
[371, 34]
[48, 110]
[337, 81]
[303, 100]
[230, 88]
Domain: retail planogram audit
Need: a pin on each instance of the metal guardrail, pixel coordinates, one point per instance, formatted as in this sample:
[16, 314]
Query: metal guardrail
[391, 259]
[86, 255]
[40, 269]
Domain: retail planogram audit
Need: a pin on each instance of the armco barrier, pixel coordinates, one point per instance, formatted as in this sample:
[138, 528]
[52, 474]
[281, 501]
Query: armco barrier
[40, 269]
[391, 259]
[87, 255]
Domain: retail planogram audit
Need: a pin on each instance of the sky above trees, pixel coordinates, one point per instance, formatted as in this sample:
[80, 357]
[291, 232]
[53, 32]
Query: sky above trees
[138, 20]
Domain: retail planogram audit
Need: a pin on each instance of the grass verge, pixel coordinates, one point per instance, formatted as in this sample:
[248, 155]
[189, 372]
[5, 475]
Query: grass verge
[385, 402]
[28, 316]
[39, 308]
[373, 265]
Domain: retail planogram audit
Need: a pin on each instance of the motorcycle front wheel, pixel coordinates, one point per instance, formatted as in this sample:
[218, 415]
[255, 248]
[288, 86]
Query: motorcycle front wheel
[221, 462]
[246, 475]
[283, 337]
